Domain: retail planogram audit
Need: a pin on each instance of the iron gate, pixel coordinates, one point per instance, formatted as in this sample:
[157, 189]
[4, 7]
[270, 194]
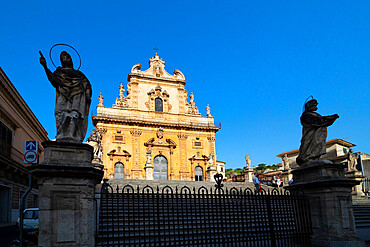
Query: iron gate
[203, 217]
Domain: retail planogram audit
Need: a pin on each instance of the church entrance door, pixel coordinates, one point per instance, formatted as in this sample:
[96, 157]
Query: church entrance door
[118, 171]
[198, 173]
[160, 168]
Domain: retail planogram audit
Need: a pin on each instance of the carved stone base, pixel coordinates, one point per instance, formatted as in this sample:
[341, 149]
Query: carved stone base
[356, 176]
[249, 175]
[211, 172]
[329, 194]
[149, 171]
[286, 176]
[66, 182]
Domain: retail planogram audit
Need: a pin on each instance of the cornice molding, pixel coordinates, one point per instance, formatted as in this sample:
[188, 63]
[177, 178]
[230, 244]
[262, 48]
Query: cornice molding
[142, 123]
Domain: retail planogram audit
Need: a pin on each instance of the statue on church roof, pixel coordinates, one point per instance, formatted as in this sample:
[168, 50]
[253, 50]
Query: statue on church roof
[191, 97]
[208, 109]
[121, 101]
[100, 99]
[314, 132]
[192, 109]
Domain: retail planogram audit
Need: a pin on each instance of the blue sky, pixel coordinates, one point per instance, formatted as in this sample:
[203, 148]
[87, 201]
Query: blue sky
[253, 62]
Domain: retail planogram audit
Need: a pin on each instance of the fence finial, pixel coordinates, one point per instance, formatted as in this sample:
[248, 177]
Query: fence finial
[218, 178]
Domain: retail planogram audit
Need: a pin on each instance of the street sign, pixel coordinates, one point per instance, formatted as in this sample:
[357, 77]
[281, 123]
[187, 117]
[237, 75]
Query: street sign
[30, 155]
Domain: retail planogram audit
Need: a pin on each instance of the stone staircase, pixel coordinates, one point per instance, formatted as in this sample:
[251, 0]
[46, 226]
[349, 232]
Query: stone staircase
[361, 210]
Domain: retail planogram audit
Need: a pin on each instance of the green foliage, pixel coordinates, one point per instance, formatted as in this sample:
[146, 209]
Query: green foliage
[262, 167]
[239, 171]
[259, 169]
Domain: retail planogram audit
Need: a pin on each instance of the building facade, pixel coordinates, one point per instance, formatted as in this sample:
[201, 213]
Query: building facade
[336, 151]
[154, 132]
[357, 165]
[17, 125]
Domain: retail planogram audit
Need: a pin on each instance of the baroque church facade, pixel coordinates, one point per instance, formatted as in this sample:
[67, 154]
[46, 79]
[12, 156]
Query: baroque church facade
[155, 132]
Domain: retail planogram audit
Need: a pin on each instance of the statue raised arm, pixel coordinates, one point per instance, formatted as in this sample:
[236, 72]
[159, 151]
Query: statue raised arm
[73, 99]
[314, 132]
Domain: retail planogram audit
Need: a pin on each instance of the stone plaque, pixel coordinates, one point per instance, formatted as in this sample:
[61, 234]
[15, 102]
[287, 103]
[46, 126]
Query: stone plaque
[65, 226]
[344, 207]
[315, 205]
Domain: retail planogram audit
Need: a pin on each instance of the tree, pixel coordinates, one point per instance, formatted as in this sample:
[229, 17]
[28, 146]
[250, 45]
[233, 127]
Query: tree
[260, 168]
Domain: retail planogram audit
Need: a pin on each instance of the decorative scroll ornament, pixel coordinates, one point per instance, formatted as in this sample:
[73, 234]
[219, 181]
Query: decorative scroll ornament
[160, 141]
[156, 69]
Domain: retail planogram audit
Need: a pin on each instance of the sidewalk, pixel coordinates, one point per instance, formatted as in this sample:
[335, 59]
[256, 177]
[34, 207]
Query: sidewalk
[7, 224]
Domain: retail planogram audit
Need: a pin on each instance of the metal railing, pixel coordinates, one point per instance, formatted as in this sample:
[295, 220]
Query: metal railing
[205, 217]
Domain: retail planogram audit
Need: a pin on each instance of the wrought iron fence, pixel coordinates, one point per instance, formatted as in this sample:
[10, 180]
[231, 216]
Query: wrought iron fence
[204, 217]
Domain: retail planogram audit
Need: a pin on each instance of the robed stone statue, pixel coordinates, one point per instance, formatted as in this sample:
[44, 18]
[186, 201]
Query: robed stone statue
[95, 140]
[73, 98]
[352, 161]
[314, 132]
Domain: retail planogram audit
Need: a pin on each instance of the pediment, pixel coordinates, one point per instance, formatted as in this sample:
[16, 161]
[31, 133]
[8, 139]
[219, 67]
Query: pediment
[156, 69]
[152, 142]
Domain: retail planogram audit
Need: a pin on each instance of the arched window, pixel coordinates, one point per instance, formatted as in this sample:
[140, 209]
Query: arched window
[160, 168]
[198, 173]
[158, 104]
[119, 172]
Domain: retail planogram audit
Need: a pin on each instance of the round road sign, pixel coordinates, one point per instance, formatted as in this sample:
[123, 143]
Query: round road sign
[30, 156]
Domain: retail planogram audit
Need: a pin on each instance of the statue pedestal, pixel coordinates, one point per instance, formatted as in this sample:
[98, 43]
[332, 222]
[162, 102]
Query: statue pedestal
[329, 195]
[149, 171]
[211, 172]
[356, 176]
[249, 175]
[286, 176]
[97, 163]
[66, 180]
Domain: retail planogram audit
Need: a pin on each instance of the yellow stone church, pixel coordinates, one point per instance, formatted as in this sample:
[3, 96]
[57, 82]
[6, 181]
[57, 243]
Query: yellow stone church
[155, 132]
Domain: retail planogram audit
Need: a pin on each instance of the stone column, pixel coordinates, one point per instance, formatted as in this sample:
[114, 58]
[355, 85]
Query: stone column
[329, 195]
[149, 168]
[211, 172]
[249, 174]
[66, 180]
[356, 176]
[286, 176]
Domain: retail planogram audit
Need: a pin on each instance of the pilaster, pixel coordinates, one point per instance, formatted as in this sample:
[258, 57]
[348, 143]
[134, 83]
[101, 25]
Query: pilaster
[184, 170]
[136, 167]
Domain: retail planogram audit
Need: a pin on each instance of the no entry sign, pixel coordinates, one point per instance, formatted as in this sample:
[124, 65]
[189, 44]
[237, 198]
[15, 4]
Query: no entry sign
[30, 155]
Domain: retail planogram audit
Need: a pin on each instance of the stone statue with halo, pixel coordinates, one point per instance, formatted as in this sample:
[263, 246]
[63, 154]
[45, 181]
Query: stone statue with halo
[73, 98]
[314, 132]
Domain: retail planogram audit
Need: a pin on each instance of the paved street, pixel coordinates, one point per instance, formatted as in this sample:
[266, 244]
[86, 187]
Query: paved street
[7, 234]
